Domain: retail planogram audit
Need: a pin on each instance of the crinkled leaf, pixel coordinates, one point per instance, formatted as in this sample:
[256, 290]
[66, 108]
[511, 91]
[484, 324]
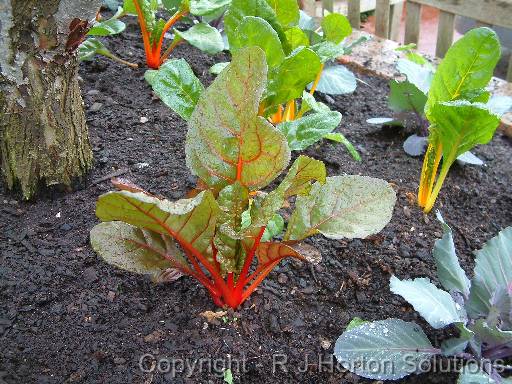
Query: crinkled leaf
[305, 131]
[309, 103]
[493, 269]
[457, 345]
[435, 305]
[204, 37]
[336, 80]
[107, 28]
[327, 50]
[190, 221]
[287, 11]
[469, 64]
[297, 181]
[403, 344]
[233, 201]
[177, 86]
[217, 68]
[416, 74]
[255, 31]
[288, 80]
[405, 96]
[460, 126]
[339, 138]
[336, 27]
[344, 207]
[133, 249]
[156, 31]
[296, 38]
[207, 7]
[449, 271]
[227, 140]
[415, 145]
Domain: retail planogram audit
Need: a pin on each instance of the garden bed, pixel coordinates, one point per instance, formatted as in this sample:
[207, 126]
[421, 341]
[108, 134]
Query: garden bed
[66, 316]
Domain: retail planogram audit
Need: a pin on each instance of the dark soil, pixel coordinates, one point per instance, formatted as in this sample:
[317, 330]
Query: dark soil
[67, 317]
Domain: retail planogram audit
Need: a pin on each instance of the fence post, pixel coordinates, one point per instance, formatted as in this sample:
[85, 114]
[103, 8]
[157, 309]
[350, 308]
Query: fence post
[394, 20]
[444, 33]
[354, 13]
[382, 18]
[412, 23]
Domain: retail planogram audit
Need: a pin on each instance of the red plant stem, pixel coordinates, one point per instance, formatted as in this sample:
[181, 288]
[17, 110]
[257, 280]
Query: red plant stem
[247, 263]
[258, 280]
[144, 32]
[157, 49]
[169, 50]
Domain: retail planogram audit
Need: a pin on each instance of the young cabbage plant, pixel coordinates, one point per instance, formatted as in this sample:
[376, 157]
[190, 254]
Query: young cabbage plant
[92, 46]
[408, 97]
[456, 110]
[201, 35]
[478, 309]
[222, 236]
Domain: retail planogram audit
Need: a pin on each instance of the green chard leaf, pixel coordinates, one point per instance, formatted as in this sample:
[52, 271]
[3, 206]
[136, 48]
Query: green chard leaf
[468, 65]
[344, 207]
[255, 31]
[207, 7]
[460, 126]
[288, 80]
[336, 27]
[328, 50]
[227, 140]
[339, 138]
[258, 8]
[177, 86]
[107, 28]
[296, 38]
[204, 37]
[305, 131]
[403, 344]
[287, 12]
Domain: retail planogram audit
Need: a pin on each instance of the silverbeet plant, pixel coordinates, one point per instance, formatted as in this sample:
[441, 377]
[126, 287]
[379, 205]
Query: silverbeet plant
[300, 57]
[480, 310]
[217, 235]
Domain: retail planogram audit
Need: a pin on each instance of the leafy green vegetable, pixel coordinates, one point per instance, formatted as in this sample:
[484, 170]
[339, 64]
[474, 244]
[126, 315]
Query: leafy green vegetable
[219, 234]
[479, 310]
[336, 27]
[177, 86]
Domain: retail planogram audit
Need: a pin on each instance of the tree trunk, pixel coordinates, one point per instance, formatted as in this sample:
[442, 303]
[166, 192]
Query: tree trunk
[43, 134]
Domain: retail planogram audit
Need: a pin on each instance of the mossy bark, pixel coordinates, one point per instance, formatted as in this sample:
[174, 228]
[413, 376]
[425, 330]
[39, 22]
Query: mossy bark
[43, 134]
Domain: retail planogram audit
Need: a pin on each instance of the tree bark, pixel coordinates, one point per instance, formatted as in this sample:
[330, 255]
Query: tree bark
[43, 134]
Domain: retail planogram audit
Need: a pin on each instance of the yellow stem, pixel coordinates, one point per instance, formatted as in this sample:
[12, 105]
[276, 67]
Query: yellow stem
[289, 112]
[429, 172]
[317, 80]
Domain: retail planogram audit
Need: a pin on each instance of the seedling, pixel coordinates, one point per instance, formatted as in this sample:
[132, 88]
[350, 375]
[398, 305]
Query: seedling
[296, 53]
[153, 29]
[408, 97]
[455, 108]
[93, 46]
[217, 235]
[480, 311]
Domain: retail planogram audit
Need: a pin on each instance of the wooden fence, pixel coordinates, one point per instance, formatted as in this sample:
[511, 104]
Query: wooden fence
[388, 14]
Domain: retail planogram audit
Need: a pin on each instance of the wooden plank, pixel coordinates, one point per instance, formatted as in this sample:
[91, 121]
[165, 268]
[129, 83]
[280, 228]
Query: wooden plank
[494, 12]
[509, 72]
[444, 33]
[395, 19]
[412, 23]
[327, 5]
[382, 18]
[354, 13]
